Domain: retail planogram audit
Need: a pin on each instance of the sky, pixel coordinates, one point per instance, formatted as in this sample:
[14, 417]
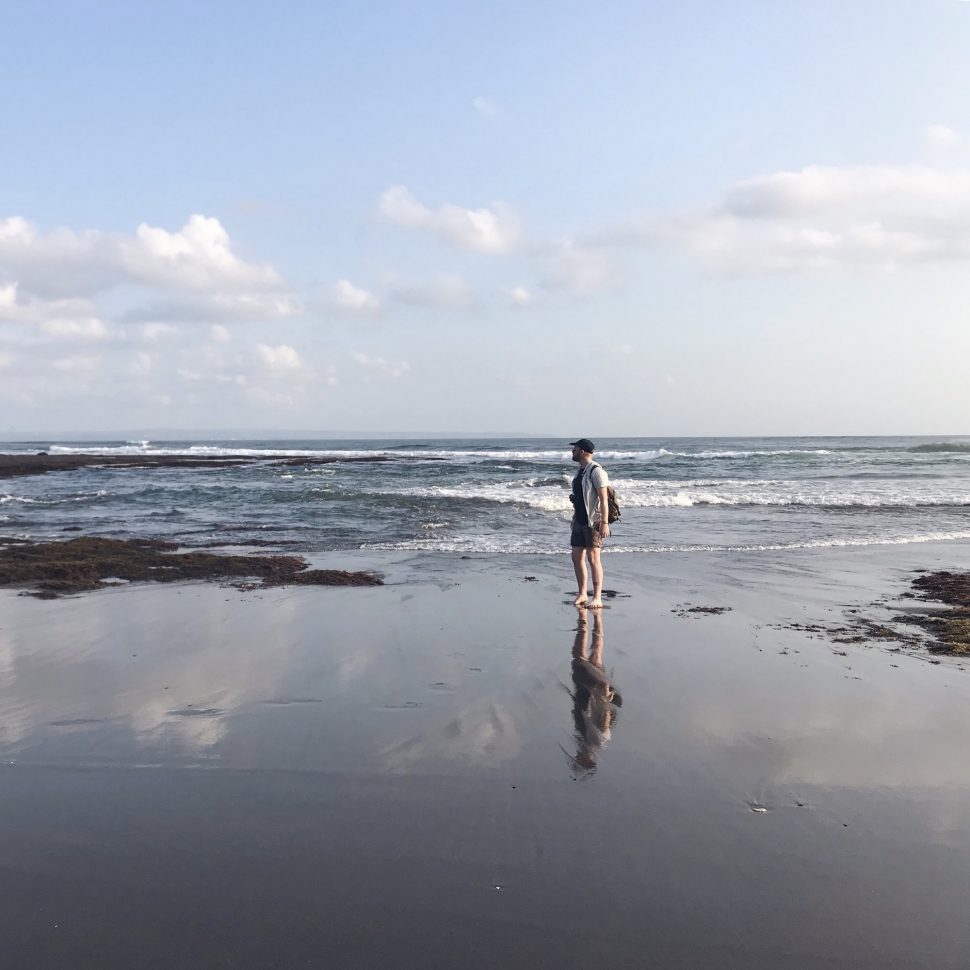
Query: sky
[643, 218]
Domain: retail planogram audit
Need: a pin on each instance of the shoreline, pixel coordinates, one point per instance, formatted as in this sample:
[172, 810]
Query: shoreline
[935, 602]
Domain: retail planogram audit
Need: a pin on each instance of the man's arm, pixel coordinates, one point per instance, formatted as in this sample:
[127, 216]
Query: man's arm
[604, 525]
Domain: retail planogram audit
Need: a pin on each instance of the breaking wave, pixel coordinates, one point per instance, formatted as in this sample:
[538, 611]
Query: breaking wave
[553, 496]
[943, 447]
[513, 544]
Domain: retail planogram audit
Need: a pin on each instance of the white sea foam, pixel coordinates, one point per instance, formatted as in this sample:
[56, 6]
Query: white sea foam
[26, 500]
[442, 454]
[199, 451]
[769, 453]
[512, 543]
[511, 493]
[660, 457]
[685, 494]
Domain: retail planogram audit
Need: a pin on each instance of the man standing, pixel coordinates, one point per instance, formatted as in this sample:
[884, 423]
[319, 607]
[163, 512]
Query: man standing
[590, 525]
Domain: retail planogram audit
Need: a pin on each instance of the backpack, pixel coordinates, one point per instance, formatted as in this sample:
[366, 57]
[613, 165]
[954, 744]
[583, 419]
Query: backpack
[612, 500]
[614, 505]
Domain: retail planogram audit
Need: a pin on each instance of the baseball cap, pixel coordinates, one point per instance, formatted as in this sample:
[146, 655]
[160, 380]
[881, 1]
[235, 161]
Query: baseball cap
[584, 443]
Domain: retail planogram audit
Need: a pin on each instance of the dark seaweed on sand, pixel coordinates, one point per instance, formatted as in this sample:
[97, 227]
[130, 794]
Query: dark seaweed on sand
[951, 628]
[55, 568]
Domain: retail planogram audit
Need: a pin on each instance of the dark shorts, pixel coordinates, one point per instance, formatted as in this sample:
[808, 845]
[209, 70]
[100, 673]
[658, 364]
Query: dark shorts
[584, 537]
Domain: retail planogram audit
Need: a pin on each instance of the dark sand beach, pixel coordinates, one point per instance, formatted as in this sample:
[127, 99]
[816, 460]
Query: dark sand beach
[199, 776]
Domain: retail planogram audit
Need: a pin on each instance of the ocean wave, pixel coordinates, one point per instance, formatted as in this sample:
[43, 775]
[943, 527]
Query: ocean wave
[27, 500]
[198, 451]
[771, 453]
[660, 494]
[556, 481]
[16, 498]
[956, 447]
[510, 543]
[472, 455]
[507, 494]
[441, 454]
[691, 499]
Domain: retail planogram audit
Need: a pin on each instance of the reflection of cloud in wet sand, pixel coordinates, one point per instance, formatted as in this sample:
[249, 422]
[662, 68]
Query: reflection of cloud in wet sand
[855, 737]
[481, 732]
[104, 665]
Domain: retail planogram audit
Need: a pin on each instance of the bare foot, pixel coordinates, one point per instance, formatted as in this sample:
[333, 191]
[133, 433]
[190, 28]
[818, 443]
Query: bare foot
[580, 600]
[596, 604]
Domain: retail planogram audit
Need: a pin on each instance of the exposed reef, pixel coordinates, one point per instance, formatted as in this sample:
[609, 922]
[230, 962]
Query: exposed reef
[51, 569]
[13, 466]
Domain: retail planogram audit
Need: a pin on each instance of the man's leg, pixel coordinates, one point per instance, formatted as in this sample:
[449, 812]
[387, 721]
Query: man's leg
[596, 567]
[579, 567]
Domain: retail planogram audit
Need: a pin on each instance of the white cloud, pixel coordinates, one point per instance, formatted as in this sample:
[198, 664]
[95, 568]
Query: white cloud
[141, 364]
[820, 217]
[378, 367]
[862, 191]
[219, 333]
[281, 359]
[67, 319]
[89, 328]
[221, 306]
[6, 360]
[487, 107]
[69, 365]
[60, 263]
[443, 292]
[153, 332]
[346, 296]
[198, 258]
[519, 381]
[267, 397]
[198, 261]
[940, 136]
[494, 230]
[520, 296]
[577, 269]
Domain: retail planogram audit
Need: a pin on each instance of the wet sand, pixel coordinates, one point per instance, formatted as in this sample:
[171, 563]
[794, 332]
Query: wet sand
[203, 777]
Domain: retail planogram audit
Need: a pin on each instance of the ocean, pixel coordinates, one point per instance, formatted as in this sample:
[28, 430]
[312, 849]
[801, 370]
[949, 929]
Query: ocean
[507, 495]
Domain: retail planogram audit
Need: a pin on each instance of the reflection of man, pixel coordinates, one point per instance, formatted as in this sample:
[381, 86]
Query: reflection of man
[595, 700]
[590, 524]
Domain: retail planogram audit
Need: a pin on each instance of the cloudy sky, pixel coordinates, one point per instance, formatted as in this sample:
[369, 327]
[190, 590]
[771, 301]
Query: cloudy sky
[644, 218]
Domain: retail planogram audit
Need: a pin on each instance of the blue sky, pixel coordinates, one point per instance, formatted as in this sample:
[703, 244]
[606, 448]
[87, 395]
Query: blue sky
[643, 218]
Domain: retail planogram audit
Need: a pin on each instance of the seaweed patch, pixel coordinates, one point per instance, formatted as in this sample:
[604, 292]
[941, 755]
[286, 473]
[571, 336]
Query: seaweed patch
[51, 569]
[949, 627]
